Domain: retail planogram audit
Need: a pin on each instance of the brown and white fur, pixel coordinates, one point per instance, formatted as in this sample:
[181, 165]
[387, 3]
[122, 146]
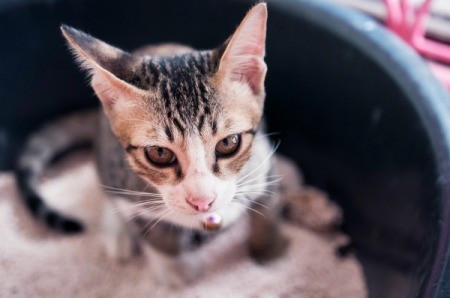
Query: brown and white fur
[187, 102]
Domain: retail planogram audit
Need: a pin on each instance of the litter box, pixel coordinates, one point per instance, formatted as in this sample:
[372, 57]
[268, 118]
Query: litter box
[356, 109]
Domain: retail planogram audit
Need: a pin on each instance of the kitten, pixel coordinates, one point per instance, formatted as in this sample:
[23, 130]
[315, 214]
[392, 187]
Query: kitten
[178, 138]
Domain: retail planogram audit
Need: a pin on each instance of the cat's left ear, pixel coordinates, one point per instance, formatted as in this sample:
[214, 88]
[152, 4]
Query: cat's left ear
[243, 58]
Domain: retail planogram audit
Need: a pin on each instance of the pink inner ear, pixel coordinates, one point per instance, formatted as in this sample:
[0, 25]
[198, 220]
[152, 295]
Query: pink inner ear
[251, 70]
[114, 92]
[244, 56]
[104, 88]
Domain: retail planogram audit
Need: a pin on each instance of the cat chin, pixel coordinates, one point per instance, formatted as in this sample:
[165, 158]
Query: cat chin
[229, 214]
[194, 221]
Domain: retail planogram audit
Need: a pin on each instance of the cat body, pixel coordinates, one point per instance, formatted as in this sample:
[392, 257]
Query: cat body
[178, 139]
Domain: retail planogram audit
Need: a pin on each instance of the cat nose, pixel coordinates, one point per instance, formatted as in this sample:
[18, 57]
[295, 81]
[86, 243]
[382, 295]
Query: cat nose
[201, 204]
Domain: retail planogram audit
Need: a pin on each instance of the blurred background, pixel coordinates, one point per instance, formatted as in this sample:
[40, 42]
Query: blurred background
[352, 103]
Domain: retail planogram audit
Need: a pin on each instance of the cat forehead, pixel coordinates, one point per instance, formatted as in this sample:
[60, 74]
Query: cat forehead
[182, 95]
[183, 69]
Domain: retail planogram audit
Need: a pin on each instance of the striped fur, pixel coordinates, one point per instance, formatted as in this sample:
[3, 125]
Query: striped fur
[44, 148]
[188, 100]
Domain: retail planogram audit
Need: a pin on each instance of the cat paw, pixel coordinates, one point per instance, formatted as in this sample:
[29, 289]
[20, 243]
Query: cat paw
[119, 247]
[313, 209]
[271, 251]
[117, 240]
[172, 271]
[170, 279]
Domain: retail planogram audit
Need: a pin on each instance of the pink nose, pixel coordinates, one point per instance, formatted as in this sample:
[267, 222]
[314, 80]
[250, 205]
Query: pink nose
[200, 204]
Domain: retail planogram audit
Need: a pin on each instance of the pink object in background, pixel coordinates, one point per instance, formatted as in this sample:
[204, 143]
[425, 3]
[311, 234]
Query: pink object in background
[409, 24]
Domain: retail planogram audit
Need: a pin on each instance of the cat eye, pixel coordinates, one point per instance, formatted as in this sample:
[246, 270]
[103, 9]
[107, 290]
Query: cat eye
[160, 156]
[228, 146]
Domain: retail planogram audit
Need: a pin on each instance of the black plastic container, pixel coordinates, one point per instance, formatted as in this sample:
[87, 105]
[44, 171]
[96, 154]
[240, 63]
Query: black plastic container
[357, 109]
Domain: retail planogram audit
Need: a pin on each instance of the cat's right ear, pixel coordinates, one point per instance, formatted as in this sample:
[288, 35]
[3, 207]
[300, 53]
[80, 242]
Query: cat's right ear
[243, 58]
[108, 66]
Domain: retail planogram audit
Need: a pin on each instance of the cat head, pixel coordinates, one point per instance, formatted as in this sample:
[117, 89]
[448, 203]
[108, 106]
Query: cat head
[185, 118]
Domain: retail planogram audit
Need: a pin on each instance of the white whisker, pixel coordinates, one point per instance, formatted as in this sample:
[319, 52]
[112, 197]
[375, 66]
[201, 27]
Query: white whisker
[134, 194]
[252, 202]
[126, 190]
[261, 165]
[266, 135]
[148, 205]
[150, 221]
[243, 183]
[167, 213]
[249, 208]
[133, 205]
[268, 182]
[258, 186]
[236, 204]
[146, 210]
[256, 194]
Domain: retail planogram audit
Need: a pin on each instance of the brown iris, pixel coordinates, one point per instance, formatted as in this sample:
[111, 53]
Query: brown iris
[160, 156]
[228, 146]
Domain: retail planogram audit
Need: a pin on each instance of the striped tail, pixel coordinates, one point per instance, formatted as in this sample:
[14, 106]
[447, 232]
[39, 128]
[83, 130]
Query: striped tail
[45, 147]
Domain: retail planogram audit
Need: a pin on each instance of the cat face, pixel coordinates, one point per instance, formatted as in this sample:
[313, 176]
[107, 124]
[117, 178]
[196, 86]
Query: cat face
[185, 118]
